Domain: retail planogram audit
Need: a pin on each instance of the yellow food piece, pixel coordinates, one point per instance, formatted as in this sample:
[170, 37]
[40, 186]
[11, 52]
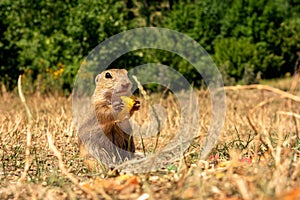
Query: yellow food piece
[130, 105]
[128, 101]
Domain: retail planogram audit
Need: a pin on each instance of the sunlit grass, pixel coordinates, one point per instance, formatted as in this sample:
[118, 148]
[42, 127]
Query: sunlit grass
[243, 165]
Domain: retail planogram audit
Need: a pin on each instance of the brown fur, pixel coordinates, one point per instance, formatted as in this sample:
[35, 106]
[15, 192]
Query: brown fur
[105, 137]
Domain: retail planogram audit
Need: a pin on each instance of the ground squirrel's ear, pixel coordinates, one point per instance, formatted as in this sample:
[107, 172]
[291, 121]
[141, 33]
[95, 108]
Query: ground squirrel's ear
[97, 78]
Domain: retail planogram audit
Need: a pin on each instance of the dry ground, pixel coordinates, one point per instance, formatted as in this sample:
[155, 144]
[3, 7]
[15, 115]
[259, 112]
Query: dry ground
[256, 157]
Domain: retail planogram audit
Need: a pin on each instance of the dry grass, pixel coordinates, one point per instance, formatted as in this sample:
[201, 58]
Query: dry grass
[260, 162]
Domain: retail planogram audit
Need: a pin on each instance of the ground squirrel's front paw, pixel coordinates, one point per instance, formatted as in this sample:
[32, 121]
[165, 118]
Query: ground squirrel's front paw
[117, 105]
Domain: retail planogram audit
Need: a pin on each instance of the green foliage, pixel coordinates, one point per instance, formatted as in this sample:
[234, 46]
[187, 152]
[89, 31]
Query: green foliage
[46, 41]
[201, 20]
[246, 37]
[233, 55]
[266, 24]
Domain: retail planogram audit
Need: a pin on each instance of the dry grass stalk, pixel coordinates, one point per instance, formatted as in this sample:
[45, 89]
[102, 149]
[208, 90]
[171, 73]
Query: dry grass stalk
[148, 100]
[251, 123]
[282, 94]
[69, 175]
[295, 81]
[265, 87]
[242, 186]
[289, 114]
[28, 138]
[27, 157]
[23, 100]
[233, 170]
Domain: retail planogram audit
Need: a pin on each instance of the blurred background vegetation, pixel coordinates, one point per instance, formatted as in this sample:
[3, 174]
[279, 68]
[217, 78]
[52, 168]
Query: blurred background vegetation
[46, 41]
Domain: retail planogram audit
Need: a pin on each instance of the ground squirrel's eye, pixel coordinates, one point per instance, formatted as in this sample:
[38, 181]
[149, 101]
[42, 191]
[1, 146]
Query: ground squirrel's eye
[108, 75]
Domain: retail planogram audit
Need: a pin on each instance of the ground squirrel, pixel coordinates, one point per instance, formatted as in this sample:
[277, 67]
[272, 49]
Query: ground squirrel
[107, 137]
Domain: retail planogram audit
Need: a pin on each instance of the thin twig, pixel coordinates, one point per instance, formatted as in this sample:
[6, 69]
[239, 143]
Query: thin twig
[282, 94]
[27, 156]
[250, 112]
[64, 171]
[265, 87]
[294, 82]
[294, 116]
[23, 99]
[28, 135]
[242, 187]
[289, 114]
[147, 98]
[158, 127]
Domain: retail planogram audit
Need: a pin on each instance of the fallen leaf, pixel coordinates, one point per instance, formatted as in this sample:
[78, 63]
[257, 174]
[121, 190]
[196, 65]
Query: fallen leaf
[292, 195]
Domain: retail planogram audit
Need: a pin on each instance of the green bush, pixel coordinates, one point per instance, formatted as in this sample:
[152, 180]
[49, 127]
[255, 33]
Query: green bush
[259, 36]
[268, 25]
[46, 41]
[233, 55]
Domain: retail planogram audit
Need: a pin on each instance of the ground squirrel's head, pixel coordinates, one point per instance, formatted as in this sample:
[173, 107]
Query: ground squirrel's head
[112, 83]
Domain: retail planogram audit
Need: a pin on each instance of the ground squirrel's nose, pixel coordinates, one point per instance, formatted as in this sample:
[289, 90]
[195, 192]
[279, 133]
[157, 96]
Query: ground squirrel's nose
[125, 85]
